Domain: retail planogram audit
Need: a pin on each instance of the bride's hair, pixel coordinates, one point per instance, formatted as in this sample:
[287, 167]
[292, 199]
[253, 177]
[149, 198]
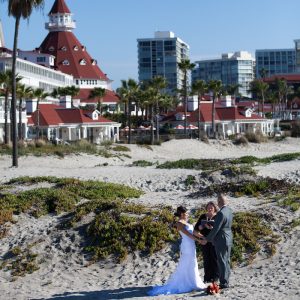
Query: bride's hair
[180, 210]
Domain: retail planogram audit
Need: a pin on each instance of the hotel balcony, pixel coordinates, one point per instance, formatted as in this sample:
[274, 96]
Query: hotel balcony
[53, 26]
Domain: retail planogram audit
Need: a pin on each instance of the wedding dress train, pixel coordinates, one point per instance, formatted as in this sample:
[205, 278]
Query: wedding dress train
[186, 276]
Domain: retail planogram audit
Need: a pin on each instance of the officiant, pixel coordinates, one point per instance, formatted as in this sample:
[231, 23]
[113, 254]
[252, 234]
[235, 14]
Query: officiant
[202, 228]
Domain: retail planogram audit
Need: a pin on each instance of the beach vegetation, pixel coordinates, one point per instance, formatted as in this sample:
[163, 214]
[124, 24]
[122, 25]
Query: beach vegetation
[20, 262]
[291, 199]
[123, 230]
[196, 164]
[251, 234]
[295, 223]
[240, 140]
[142, 163]
[190, 180]
[120, 148]
[256, 137]
[146, 146]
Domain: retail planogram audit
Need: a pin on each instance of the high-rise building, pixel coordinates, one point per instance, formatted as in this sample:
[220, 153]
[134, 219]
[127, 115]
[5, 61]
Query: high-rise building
[159, 56]
[231, 69]
[71, 57]
[275, 61]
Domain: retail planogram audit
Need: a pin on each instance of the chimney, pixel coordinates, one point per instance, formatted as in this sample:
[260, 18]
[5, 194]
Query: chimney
[65, 101]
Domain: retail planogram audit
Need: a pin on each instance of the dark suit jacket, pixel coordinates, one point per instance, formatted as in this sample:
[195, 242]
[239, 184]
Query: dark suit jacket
[221, 234]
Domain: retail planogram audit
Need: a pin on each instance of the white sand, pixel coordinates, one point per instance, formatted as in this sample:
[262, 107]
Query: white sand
[64, 272]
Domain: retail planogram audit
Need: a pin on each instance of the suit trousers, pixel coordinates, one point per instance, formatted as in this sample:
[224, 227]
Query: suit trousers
[223, 256]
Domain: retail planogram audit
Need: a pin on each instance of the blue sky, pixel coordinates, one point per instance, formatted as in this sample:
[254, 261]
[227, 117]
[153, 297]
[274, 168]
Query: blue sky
[109, 29]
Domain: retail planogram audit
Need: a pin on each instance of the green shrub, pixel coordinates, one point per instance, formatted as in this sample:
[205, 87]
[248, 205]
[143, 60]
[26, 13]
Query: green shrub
[106, 143]
[21, 262]
[250, 233]
[39, 201]
[145, 146]
[256, 137]
[40, 143]
[197, 164]
[291, 200]
[142, 163]
[190, 180]
[120, 148]
[295, 223]
[117, 233]
[240, 140]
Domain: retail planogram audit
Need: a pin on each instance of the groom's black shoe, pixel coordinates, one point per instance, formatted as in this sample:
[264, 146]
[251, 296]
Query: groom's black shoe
[224, 286]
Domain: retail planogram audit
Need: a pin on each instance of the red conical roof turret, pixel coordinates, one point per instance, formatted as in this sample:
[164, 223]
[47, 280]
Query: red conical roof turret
[59, 7]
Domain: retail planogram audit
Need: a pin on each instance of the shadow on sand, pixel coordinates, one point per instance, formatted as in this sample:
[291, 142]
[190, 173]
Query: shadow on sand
[122, 293]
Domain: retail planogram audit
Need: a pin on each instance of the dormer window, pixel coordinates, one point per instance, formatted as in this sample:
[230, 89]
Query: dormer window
[94, 62]
[51, 49]
[64, 48]
[66, 62]
[83, 48]
[76, 48]
[82, 62]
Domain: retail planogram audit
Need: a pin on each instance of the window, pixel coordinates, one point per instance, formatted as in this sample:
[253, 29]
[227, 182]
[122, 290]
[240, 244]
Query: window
[41, 59]
[94, 62]
[82, 62]
[75, 48]
[66, 62]
[63, 48]
[51, 49]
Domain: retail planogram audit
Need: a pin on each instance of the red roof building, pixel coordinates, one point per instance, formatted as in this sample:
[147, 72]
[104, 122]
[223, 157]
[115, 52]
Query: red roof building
[228, 119]
[71, 57]
[71, 124]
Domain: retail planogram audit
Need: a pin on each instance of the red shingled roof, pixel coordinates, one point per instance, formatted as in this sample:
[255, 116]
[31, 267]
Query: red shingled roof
[288, 77]
[109, 97]
[71, 56]
[53, 115]
[59, 6]
[222, 114]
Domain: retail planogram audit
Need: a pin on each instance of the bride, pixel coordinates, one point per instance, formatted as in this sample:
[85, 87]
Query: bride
[186, 276]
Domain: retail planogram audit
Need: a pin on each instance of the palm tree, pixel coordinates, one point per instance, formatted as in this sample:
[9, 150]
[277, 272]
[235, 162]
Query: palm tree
[260, 87]
[98, 93]
[263, 73]
[133, 90]
[158, 83]
[39, 94]
[199, 87]
[123, 94]
[185, 65]
[56, 93]
[23, 92]
[128, 93]
[233, 90]
[215, 87]
[6, 82]
[18, 9]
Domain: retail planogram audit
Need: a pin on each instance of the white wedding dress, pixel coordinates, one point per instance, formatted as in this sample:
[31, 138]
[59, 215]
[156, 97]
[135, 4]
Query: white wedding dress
[186, 276]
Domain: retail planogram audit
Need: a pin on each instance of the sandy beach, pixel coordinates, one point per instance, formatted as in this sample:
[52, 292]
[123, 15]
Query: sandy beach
[65, 273]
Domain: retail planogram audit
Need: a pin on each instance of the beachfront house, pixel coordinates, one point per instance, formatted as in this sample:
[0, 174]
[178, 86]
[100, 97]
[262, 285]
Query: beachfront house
[60, 124]
[229, 119]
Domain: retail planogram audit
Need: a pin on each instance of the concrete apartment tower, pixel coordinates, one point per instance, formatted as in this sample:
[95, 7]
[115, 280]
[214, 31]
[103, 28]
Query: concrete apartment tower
[230, 68]
[159, 56]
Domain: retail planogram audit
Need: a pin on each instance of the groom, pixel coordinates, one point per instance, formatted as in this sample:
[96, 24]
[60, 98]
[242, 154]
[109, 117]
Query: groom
[221, 237]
